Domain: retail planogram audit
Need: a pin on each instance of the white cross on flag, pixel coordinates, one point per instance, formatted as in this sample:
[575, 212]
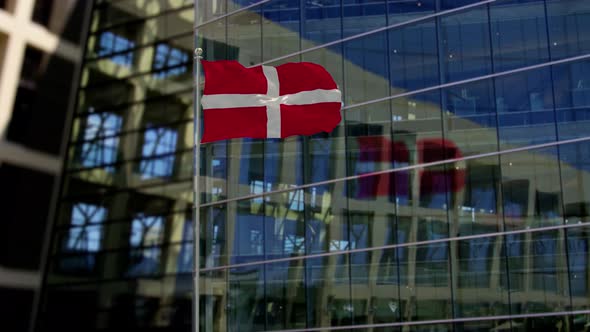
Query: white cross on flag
[268, 102]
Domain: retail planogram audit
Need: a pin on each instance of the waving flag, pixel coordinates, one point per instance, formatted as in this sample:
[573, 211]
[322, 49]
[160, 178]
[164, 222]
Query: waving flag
[268, 102]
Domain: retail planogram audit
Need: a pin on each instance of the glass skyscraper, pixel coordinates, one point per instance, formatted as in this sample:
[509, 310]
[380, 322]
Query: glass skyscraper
[482, 108]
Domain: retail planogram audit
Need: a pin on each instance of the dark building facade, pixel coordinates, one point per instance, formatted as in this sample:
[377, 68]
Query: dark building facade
[40, 54]
[481, 106]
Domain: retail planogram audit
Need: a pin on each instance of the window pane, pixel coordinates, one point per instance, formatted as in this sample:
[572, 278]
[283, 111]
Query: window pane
[363, 15]
[158, 146]
[470, 119]
[465, 59]
[100, 146]
[246, 302]
[328, 291]
[404, 10]
[568, 23]
[169, 61]
[478, 270]
[531, 189]
[427, 295]
[519, 34]
[146, 235]
[538, 279]
[243, 32]
[525, 109]
[322, 23]
[365, 69]
[84, 238]
[109, 43]
[280, 28]
[413, 57]
[572, 99]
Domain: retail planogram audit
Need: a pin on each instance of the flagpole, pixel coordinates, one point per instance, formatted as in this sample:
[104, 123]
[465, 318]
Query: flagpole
[196, 191]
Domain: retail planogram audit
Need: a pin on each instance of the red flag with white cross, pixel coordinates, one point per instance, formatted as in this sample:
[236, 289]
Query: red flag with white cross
[268, 102]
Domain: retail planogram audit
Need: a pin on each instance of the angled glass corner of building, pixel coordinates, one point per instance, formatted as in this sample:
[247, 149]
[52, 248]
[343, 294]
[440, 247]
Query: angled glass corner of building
[481, 108]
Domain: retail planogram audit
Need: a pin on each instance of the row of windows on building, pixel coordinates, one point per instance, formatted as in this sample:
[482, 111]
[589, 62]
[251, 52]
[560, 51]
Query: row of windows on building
[157, 153]
[167, 61]
[146, 243]
[84, 239]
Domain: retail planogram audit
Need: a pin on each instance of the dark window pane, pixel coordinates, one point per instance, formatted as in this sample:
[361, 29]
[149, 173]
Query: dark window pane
[548, 273]
[537, 277]
[246, 302]
[575, 164]
[430, 264]
[22, 227]
[41, 102]
[42, 11]
[16, 306]
[147, 234]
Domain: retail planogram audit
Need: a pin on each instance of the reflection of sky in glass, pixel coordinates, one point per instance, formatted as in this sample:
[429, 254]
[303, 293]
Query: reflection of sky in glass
[293, 244]
[86, 230]
[96, 150]
[111, 43]
[146, 230]
[258, 187]
[296, 202]
[158, 141]
[165, 57]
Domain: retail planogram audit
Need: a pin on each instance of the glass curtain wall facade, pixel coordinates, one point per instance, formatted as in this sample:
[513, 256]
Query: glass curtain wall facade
[496, 238]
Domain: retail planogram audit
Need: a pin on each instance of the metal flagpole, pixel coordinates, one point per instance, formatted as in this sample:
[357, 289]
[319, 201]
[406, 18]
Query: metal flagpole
[196, 192]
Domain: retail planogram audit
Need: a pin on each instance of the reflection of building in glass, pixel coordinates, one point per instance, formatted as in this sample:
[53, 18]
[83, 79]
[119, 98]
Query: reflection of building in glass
[484, 243]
